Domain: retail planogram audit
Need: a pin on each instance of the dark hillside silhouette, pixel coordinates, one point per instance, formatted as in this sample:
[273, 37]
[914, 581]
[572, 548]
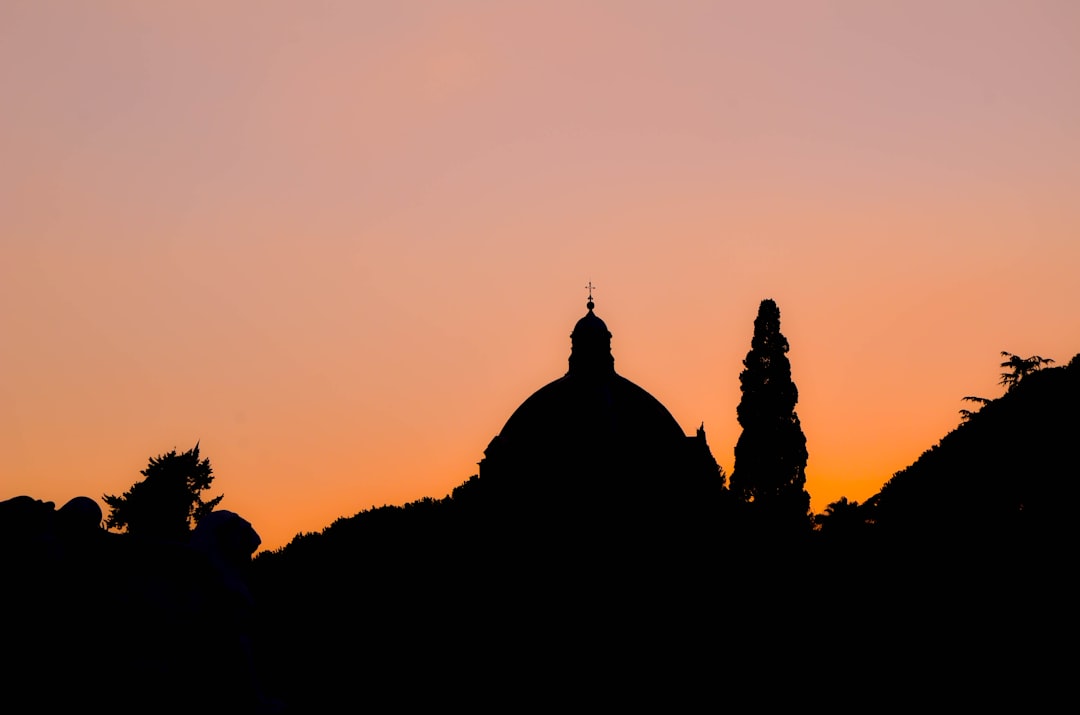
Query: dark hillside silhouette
[159, 618]
[1007, 473]
[964, 557]
[608, 570]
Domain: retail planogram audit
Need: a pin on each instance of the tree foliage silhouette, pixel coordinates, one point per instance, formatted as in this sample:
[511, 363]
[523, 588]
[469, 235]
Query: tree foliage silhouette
[966, 415]
[168, 502]
[1017, 368]
[770, 456]
[841, 519]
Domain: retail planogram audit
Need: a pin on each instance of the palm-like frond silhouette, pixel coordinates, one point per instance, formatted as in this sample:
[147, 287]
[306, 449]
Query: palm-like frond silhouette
[1017, 368]
[966, 415]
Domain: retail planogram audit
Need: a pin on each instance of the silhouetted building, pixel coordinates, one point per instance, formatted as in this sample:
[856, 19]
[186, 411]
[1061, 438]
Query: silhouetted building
[597, 440]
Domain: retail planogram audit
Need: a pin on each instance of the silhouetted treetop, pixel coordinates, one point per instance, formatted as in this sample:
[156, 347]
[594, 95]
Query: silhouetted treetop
[771, 456]
[968, 414]
[168, 502]
[1017, 368]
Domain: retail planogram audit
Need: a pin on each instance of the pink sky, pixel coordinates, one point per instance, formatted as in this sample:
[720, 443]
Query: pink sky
[338, 243]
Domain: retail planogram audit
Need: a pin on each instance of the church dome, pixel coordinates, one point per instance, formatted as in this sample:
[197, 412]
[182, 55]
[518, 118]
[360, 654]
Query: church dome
[591, 455]
[590, 420]
[582, 412]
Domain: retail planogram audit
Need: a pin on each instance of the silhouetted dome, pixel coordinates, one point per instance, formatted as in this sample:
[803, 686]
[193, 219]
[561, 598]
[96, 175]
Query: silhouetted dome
[591, 327]
[591, 424]
[579, 410]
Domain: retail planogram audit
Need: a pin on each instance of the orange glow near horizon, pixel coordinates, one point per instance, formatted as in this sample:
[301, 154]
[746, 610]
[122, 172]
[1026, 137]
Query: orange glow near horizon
[338, 246]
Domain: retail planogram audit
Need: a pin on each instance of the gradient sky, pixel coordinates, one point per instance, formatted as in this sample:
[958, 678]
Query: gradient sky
[339, 242]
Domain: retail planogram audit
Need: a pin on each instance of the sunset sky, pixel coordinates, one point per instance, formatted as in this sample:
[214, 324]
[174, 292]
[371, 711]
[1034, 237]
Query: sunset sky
[338, 243]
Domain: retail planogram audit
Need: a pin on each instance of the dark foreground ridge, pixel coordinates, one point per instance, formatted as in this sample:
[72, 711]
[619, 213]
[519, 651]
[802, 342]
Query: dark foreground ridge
[582, 567]
[467, 600]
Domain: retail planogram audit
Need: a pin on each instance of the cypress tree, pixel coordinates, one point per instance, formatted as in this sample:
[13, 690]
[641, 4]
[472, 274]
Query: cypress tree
[770, 457]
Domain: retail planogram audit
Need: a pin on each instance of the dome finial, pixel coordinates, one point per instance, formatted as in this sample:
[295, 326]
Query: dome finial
[590, 305]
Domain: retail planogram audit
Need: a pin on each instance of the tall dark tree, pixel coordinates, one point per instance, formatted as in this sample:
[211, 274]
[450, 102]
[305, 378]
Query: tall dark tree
[168, 502]
[770, 456]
